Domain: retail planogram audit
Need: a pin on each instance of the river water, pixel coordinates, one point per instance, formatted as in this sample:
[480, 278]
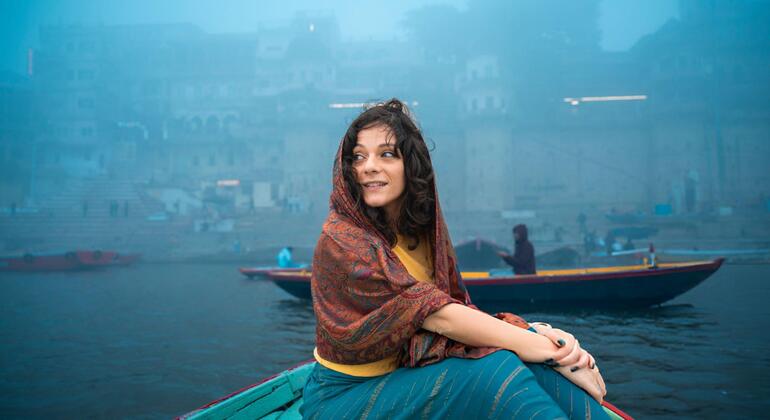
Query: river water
[156, 341]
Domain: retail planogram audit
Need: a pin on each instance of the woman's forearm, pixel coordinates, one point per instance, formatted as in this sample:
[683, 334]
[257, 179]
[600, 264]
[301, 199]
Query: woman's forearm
[476, 328]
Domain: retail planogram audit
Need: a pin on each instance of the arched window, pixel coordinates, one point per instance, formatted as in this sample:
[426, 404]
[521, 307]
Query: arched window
[212, 124]
[195, 124]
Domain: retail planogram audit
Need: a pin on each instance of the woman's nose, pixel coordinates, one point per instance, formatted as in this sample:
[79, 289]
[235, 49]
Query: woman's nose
[371, 165]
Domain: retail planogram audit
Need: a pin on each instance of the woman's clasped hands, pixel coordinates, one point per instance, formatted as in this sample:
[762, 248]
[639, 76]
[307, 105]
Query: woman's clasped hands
[572, 361]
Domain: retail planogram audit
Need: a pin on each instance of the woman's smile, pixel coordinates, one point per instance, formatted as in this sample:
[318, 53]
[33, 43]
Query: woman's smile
[374, 185]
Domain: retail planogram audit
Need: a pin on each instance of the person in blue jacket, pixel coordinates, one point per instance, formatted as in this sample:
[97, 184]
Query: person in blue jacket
[285, 259]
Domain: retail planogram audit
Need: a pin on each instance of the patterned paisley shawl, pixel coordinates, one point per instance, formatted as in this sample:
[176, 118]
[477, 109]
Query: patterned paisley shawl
[367, 305]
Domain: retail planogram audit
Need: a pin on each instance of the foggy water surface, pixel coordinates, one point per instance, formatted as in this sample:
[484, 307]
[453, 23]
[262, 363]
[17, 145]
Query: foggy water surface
[155, 341]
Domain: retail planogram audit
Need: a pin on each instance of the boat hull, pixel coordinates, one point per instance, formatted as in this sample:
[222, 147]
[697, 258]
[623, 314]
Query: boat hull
[97, 258]
[69, 261]
[641, 288]
[30, 263]
[296, 286]
[638, 287]
[256, 272]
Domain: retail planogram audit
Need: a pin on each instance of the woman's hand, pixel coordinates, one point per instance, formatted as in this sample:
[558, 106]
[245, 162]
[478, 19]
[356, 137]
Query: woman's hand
[590, 380]
[569, 352]
[573, 362]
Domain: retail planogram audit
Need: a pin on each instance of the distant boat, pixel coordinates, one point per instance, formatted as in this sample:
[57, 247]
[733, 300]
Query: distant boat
[252, 272]
[733, 256]
[67, 261]
[280, 397]
[621, 287]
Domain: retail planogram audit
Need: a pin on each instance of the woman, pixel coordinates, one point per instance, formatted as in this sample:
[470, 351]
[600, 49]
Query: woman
[397, 335]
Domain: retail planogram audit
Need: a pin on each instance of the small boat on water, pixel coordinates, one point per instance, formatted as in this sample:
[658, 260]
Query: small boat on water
[252, 272]
[621, 287]
[280, 397]
[67, 261]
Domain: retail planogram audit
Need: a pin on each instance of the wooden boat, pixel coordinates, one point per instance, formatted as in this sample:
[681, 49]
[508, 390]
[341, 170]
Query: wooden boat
[41, 262]
[623, 286]
[97, 258]
[295, 283]
[68, 261]
[280, 396]
[252, 272]
[600, 287]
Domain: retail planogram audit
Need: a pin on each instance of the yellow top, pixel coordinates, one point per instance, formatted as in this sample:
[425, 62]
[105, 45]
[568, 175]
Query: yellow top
[419, 264]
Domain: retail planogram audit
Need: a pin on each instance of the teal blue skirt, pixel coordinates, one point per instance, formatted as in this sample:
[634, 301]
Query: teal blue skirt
[498, 386]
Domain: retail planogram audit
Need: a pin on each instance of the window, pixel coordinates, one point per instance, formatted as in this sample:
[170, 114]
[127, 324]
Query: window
[85, 75]
[85, 103]
[195, 124]
[212, 124]
[86, 46]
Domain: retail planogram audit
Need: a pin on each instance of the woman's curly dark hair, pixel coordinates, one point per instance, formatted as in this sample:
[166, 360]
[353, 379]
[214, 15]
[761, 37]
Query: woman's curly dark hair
[417, 215]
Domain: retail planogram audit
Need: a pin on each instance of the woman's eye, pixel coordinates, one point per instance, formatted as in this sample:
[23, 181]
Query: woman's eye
[388, 154]
[358, 156]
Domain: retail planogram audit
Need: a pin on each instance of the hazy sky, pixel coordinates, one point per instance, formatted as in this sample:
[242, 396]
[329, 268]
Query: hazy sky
[622, 21]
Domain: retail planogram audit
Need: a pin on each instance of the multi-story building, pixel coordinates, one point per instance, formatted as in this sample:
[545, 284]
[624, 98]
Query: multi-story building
[253, 120]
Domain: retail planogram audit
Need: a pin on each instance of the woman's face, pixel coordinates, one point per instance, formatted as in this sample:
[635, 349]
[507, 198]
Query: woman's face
[379, 169]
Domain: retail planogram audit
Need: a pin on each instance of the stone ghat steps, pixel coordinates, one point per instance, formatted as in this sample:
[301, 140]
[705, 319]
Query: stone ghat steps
[105, 233]
[59, 222]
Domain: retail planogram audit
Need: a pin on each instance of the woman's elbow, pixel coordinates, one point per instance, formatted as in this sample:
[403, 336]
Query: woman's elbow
[439, 322]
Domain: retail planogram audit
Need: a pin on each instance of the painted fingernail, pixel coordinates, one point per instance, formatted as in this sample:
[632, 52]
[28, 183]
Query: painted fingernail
[561, 342]
[574, 369]
[550, 362]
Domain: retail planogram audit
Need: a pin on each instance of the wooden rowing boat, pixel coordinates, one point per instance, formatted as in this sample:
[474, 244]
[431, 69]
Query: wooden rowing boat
[623, 286]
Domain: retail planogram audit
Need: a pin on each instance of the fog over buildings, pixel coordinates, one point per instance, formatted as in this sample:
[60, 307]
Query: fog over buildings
[176, 141]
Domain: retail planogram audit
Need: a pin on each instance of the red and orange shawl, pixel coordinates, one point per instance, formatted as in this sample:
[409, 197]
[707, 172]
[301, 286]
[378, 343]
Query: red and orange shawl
[367, 305]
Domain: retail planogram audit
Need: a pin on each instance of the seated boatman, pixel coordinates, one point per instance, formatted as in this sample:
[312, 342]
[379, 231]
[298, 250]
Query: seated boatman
[285, 258]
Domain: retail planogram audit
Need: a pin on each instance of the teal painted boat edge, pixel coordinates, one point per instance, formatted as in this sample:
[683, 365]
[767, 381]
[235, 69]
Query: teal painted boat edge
[255, 402]
[258, 400]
